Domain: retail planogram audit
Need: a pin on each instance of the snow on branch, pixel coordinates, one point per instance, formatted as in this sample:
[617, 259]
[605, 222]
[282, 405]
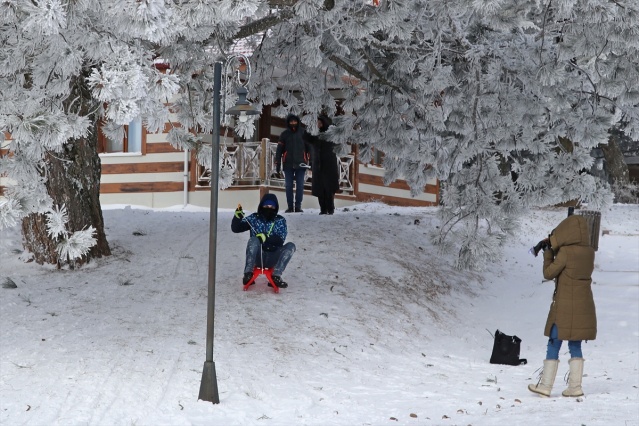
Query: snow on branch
[70, 245]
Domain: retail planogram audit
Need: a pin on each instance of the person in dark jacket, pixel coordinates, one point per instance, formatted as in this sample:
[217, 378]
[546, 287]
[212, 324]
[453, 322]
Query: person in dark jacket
[265, 246]
[325, 167]
[569, 259]
[293, 155]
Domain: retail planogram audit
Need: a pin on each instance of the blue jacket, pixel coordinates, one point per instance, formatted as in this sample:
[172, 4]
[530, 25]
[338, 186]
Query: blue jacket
[275, 230]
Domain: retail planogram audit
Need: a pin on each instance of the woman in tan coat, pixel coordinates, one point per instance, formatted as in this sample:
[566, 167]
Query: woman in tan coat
[569, 260]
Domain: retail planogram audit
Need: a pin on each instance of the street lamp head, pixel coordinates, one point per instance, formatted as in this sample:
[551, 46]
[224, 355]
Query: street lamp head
[242, 108]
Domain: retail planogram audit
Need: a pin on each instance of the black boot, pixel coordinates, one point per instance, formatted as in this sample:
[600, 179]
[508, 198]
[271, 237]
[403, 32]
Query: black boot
[322, 203]
[330, 204]
[278, 282]
[247, 277]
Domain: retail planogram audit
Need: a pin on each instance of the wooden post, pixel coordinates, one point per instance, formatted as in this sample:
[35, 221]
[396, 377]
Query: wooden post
[264, 176]
[263, 159]
[594, 223]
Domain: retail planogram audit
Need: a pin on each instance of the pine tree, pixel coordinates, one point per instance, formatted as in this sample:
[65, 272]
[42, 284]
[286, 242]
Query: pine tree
[501, 100]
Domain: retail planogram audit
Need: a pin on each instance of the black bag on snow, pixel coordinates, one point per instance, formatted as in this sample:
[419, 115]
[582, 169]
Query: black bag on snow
[506, 350]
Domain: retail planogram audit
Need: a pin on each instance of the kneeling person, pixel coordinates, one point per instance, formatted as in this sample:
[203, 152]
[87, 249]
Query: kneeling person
[265, 247]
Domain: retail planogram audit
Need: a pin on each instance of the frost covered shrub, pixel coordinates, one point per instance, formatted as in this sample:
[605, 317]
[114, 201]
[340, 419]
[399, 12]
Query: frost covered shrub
[626, 192]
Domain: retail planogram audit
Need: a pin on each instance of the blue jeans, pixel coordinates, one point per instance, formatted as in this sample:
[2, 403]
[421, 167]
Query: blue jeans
[296, 175]
[278, 259]
[554, 344]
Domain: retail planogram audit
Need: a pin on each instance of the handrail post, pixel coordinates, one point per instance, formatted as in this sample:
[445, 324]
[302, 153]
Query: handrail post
[263, 161]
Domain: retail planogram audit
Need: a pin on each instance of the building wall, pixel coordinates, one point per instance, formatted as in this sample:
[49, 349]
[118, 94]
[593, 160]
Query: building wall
[633, 167]
[161, 176]
[154, 177]
[370, 186]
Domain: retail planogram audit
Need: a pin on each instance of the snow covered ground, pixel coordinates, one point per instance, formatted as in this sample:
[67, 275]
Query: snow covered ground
[375, 328]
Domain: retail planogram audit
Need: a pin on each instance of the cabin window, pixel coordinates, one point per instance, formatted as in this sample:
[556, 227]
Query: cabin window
[378, 157]
[134, 140]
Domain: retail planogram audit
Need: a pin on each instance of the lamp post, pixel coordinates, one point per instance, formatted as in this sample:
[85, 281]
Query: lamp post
[208, 385]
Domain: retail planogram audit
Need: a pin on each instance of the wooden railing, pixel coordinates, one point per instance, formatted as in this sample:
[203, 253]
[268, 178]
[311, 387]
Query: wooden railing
[253, 163]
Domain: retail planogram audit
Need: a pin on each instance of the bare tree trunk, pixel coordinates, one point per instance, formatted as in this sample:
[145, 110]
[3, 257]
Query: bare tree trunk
[73, 180]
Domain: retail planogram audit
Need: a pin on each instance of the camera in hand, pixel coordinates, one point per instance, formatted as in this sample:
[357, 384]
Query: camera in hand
[541, 245]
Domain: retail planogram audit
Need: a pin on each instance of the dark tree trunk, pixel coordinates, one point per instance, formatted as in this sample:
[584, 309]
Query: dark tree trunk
[73, 180]
[615, 164]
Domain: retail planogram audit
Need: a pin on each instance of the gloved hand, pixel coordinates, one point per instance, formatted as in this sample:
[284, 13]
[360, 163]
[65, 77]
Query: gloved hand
[239, 213]
[262, 237]
[541, 245]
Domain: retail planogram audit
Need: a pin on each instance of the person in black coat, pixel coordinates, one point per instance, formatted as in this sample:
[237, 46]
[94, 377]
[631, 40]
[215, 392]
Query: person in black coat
[292, 155]
[325, 167]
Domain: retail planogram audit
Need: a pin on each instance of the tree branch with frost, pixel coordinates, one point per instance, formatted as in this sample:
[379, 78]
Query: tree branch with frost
[452, 221]
[57, 219]
[269, 21]
[618, 4]
[543, 33]
[266, 23]
[263, 24]
[76, 245]
[358, 74]
[10, 213]
[70, 245]
[592, 83]
[328, 4]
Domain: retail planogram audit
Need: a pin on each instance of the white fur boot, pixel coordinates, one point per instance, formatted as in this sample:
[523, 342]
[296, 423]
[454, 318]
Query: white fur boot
[547, 380]
[574, 378]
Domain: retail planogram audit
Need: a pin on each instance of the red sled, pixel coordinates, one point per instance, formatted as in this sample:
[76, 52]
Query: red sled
[268, 272]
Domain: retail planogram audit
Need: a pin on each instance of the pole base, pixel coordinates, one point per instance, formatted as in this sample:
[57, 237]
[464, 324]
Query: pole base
[208, 386]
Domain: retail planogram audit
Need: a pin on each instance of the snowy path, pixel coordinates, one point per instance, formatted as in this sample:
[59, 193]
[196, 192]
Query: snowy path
[374, 327]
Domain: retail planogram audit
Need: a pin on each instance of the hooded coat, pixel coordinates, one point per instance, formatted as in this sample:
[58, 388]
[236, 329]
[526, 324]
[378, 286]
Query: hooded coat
[570, 261]
[258, 223]
[323, 162]
[292, 149]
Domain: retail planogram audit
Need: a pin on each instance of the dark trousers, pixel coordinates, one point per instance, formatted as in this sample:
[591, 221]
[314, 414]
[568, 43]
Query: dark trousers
[294, 175]
[278, 259]
[327, 202]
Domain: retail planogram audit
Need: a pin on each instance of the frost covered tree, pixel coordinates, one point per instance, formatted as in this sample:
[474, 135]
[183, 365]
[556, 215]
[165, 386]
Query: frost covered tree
[501, 100]
[65, 65]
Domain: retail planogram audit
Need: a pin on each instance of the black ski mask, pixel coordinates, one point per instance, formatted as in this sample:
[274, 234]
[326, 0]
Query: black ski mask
[269, 214]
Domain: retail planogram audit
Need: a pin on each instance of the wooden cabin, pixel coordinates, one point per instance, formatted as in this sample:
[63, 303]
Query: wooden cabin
[146, 170]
